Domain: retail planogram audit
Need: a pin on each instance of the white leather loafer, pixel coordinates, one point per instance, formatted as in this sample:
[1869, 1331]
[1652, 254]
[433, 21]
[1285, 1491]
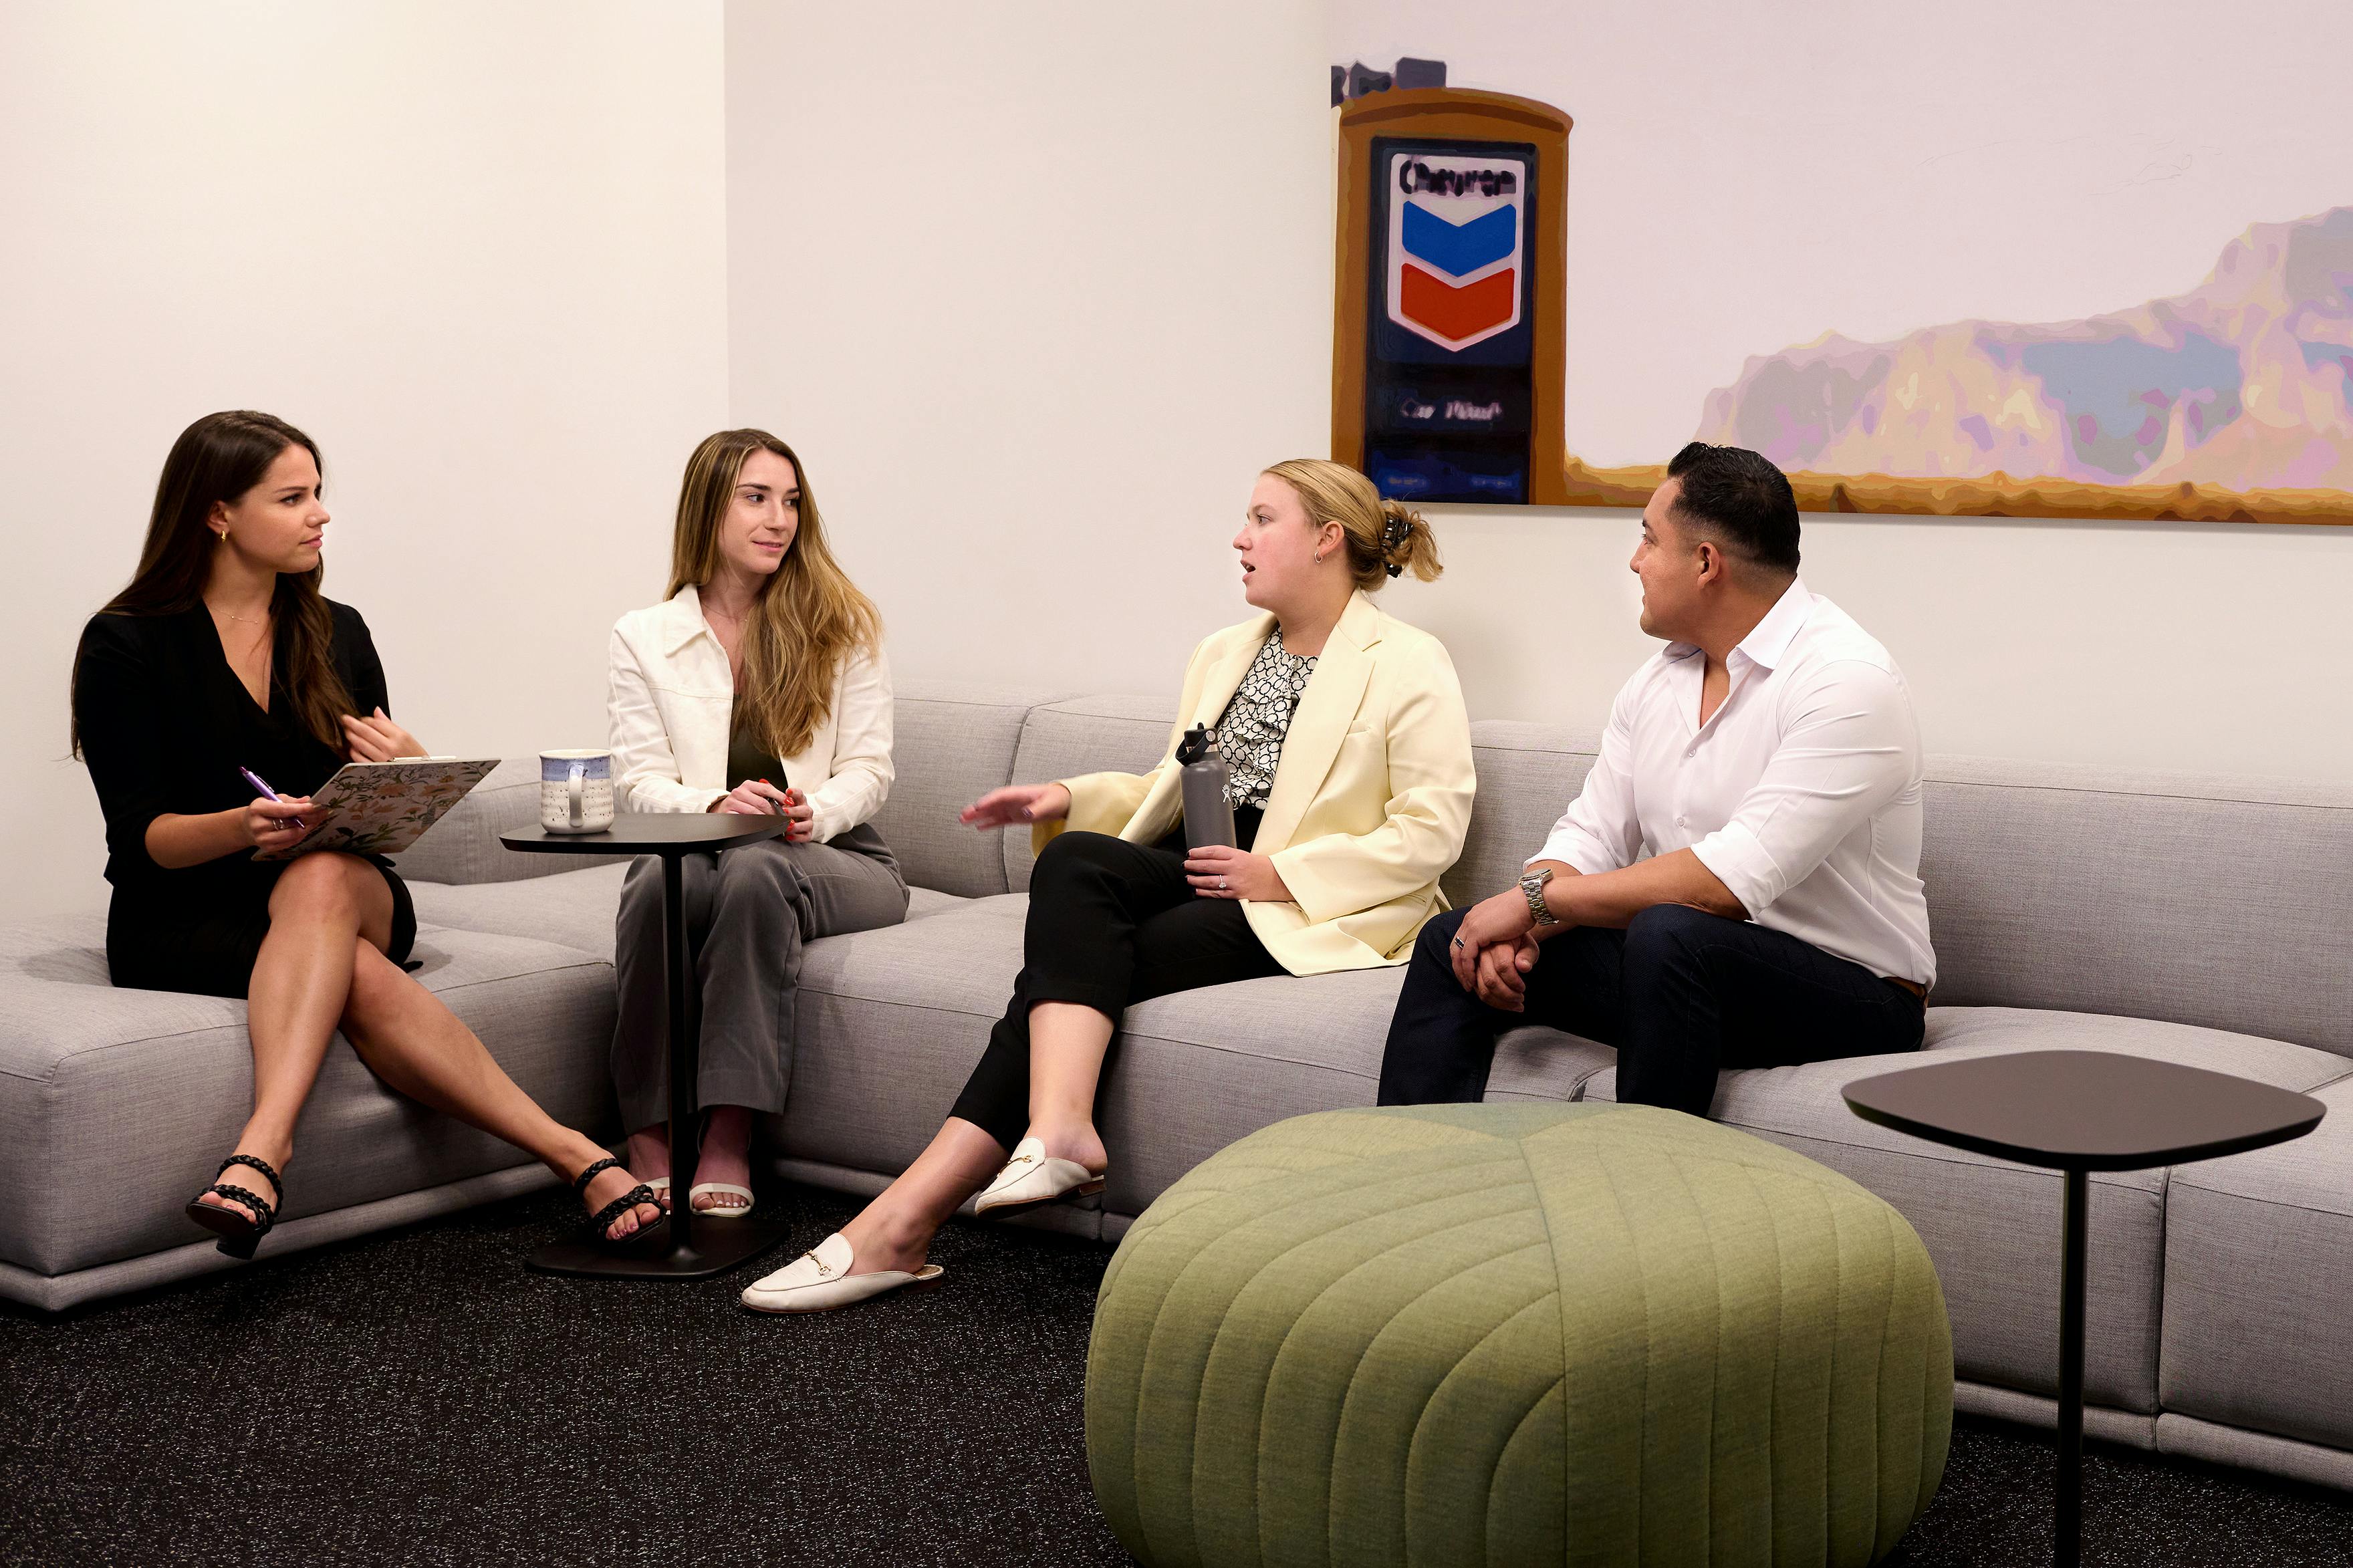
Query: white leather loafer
[1032, 1176]
[819, 1280]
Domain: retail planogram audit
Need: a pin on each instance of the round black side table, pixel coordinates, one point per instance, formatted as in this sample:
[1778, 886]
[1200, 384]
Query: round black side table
[686, 1246]
[2081, 1111]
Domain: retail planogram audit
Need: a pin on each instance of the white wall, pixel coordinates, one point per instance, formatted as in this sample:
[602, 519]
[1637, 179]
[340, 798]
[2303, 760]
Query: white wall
[477, 252]
[2197, 649]
[1036, 289]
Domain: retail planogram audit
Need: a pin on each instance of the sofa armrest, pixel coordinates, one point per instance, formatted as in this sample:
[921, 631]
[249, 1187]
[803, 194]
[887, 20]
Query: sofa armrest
[463, 848]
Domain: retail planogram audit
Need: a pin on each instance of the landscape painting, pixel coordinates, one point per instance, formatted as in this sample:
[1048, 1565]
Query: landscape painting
[2043, 264]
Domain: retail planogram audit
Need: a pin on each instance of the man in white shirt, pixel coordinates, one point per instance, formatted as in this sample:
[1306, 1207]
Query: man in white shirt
[1738, 883]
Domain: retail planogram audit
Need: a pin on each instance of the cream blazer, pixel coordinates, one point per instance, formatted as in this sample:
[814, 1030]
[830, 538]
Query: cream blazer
[672, 700]
[1371, 802]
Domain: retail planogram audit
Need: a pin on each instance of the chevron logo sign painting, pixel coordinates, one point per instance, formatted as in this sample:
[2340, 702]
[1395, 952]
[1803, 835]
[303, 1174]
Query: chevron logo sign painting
[1457, 230]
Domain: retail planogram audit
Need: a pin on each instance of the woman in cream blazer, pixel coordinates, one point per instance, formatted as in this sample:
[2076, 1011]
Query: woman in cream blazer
[757, 687]
[1349, 756]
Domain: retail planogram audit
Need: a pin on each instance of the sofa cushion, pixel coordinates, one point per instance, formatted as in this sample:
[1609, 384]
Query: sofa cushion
[574, 908]
[1993, 1225]
[137, 1094]
[1090, 735]
[892, 1022]
[2258, 1272]
[1528, 774]
[2211, 901]
[953, 745]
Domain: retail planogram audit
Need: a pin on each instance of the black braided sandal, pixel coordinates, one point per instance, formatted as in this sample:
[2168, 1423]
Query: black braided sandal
[238, 1236]
[640, 1194]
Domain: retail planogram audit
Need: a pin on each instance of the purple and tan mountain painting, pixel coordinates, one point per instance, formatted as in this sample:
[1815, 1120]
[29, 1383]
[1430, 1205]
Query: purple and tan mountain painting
[2232, 400]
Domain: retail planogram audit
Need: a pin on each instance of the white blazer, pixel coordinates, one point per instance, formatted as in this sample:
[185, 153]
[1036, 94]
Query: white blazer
[672, 703]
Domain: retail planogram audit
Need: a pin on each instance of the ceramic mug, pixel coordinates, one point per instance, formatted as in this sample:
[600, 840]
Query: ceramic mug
[576, 791]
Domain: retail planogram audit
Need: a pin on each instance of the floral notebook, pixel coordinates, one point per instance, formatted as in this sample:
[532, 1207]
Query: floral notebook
[382, 808]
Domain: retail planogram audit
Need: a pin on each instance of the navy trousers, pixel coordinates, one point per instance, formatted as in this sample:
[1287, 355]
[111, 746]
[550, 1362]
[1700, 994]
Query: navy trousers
[1680, 993]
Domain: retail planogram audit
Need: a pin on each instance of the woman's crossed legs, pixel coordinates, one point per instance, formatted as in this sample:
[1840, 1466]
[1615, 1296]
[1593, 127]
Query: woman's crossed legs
[321, 966]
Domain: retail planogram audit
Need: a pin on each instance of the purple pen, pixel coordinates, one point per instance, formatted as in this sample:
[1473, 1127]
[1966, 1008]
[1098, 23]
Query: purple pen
[266, 793]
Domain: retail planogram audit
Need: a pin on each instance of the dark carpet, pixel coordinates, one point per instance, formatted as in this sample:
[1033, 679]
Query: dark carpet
[418, 1398]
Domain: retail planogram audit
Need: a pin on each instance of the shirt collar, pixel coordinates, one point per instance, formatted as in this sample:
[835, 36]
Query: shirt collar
[1767, 642]
[682, 621]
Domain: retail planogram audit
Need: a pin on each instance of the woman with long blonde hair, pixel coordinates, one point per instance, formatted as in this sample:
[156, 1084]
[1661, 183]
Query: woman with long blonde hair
[758, 687]
[1348, 792]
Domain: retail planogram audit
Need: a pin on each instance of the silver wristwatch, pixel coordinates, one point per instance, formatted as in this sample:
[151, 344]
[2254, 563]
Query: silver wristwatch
[1533, 885]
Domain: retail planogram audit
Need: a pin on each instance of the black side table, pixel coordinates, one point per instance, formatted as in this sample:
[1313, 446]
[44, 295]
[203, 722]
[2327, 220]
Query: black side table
[684, 1246]
[2081, 1111]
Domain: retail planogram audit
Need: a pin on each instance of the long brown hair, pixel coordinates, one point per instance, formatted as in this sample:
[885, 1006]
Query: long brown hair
[805, 619]
[218, 459]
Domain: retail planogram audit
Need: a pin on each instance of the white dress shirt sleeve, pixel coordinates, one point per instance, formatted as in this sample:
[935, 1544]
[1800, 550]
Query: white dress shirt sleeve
[1599, 831]
[862, 769]
[1849, 744]
[646, 770]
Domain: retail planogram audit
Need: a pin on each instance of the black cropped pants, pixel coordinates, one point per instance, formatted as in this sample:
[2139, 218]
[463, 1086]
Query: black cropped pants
[1111, 924]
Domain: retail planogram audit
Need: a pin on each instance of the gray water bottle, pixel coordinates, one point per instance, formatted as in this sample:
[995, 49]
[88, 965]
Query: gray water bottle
[1209, 818]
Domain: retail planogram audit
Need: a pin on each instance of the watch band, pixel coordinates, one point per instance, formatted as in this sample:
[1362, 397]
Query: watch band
[1532, 884]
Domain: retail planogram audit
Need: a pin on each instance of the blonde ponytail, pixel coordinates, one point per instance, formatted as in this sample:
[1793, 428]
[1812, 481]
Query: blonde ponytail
[1407, 543]
[1384, 537]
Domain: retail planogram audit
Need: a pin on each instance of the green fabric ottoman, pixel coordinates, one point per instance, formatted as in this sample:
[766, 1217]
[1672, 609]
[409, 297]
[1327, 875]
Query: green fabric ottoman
[1505, 1334]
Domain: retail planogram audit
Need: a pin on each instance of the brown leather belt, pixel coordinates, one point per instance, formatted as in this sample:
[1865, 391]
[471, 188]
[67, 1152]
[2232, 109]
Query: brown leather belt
[1914, 986]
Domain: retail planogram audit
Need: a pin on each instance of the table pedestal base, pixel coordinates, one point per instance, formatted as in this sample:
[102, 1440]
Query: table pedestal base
[716, 1247]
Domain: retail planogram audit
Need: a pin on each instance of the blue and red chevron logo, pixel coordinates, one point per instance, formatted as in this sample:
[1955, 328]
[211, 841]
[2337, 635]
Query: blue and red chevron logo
[1456, 231]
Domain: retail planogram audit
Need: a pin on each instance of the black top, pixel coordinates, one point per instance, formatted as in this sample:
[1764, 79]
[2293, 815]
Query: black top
[165, 724]
[651, 833]
[2083, 1111]
[747, 759]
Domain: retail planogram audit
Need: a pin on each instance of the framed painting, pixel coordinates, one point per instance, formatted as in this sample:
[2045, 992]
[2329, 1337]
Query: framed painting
[2025, 262]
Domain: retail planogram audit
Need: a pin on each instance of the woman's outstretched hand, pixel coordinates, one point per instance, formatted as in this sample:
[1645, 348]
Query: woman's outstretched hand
[1017, 804]
[1221, 871]
[377, 739]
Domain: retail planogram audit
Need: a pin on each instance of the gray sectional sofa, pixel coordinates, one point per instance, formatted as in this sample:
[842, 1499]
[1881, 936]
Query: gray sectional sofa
[2195, 920]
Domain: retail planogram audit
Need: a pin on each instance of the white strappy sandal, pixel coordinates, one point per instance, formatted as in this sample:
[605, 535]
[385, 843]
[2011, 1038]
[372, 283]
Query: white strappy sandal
[721, 1211]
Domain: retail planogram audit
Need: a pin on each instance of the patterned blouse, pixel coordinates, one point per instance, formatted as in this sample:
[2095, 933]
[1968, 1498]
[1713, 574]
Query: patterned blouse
[1250, 735]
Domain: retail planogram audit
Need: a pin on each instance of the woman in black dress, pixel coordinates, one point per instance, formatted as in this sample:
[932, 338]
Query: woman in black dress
[221, 655]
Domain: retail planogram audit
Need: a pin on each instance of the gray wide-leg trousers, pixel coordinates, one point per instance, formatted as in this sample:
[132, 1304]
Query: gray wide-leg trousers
[748, 912]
